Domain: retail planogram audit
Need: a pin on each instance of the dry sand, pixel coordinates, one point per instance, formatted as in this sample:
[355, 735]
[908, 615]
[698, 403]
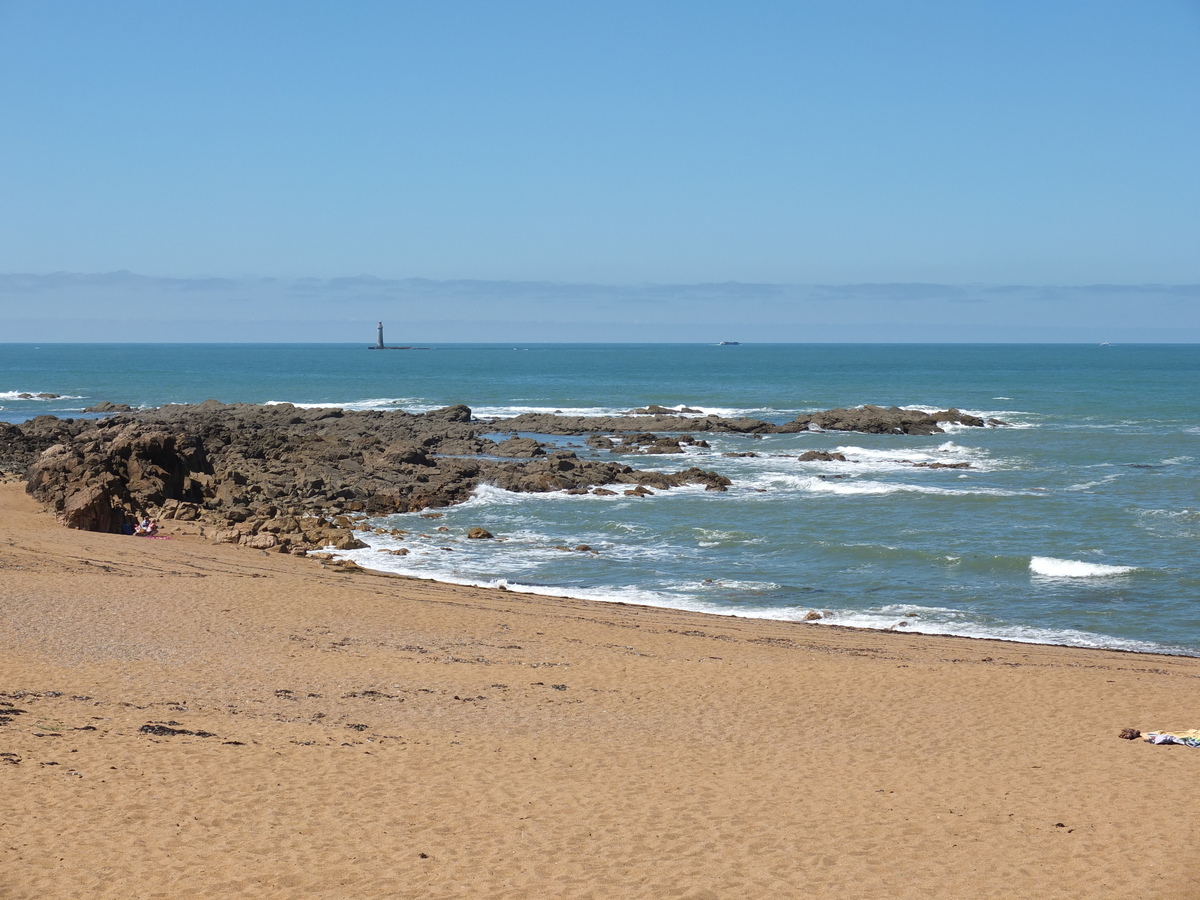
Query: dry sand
[374, 736]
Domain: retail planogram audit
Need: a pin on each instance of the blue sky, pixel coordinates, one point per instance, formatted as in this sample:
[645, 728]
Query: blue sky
[1039, 145]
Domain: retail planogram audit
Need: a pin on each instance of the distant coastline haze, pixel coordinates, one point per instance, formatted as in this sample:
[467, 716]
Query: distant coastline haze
[124, 306]
[540, 171]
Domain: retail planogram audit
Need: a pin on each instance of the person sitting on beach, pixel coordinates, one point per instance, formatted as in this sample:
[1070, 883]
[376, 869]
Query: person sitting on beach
[146, 527]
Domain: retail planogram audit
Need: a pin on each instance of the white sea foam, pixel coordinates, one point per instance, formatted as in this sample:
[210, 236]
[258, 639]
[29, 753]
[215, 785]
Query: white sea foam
[851, 487]
[33, 396]
[953, 622]
[408, 404]
[486, 495]
[1049, 567]
[703, 411]
[433, 565]
[1171, 523]
[508, 411]
[729, 584]
[894, 459]
[1088, 485]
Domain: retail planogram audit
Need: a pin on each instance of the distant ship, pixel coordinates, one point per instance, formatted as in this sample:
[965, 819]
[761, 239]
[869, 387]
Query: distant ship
[730, 344]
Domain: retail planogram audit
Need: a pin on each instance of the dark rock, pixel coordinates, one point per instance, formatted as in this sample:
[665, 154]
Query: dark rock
[405, 453]
[347, 541]
[268, 469]
[105, 406]
[458, 414]
[821, 456]
[655, 410]
[881, 420]
[519, 447]
[161, 730]
[479, 534]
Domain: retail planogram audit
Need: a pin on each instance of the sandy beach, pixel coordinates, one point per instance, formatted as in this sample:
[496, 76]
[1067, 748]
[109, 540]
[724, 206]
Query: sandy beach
[187, 720]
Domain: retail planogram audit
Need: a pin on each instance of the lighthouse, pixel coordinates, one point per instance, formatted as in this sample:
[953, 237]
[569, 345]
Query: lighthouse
[380, 345]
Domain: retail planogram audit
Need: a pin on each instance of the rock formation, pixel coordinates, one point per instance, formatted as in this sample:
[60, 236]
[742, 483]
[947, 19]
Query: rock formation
[284, 478]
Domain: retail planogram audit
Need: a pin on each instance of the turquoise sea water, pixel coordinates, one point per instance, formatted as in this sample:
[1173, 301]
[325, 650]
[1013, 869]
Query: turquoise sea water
[1077, 525]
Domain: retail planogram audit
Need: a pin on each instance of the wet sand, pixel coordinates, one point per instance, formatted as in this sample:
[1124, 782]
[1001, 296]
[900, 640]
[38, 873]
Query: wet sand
[189, 720]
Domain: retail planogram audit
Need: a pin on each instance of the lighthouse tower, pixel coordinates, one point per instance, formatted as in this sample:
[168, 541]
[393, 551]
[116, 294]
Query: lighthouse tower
[379, 340]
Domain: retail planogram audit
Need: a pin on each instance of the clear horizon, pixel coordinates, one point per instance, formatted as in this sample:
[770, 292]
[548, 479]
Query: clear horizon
[124, 307]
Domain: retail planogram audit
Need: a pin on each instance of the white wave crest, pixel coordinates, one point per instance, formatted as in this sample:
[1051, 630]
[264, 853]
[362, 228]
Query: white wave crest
[508, 412]
[1049, 567]
[953, 622]
[948, 452]
[908, 618]
[32, 396]
[724, 412]
[867, 487]
[380, 403]
[1088, 485]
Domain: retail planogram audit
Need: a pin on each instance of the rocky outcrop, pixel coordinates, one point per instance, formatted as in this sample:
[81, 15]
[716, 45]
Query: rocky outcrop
[655, 410]
[671, 421]
[864, 419]
[519, 447]
[107, 406]
[884, 420]
[21, 444]
[283, 478]
[821, 456]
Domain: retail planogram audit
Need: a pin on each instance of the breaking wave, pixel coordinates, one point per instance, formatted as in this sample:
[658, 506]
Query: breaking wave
[1049, 567]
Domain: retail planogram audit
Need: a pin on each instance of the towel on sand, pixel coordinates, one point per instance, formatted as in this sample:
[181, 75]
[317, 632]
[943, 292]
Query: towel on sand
[1187, 738]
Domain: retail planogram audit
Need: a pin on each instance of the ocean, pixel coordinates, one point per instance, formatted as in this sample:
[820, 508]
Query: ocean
[1077, 525]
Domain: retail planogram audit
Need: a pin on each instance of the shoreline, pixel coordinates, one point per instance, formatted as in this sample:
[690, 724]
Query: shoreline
[550, 592]
[593, 595]
[201, 720]
[292, 479]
